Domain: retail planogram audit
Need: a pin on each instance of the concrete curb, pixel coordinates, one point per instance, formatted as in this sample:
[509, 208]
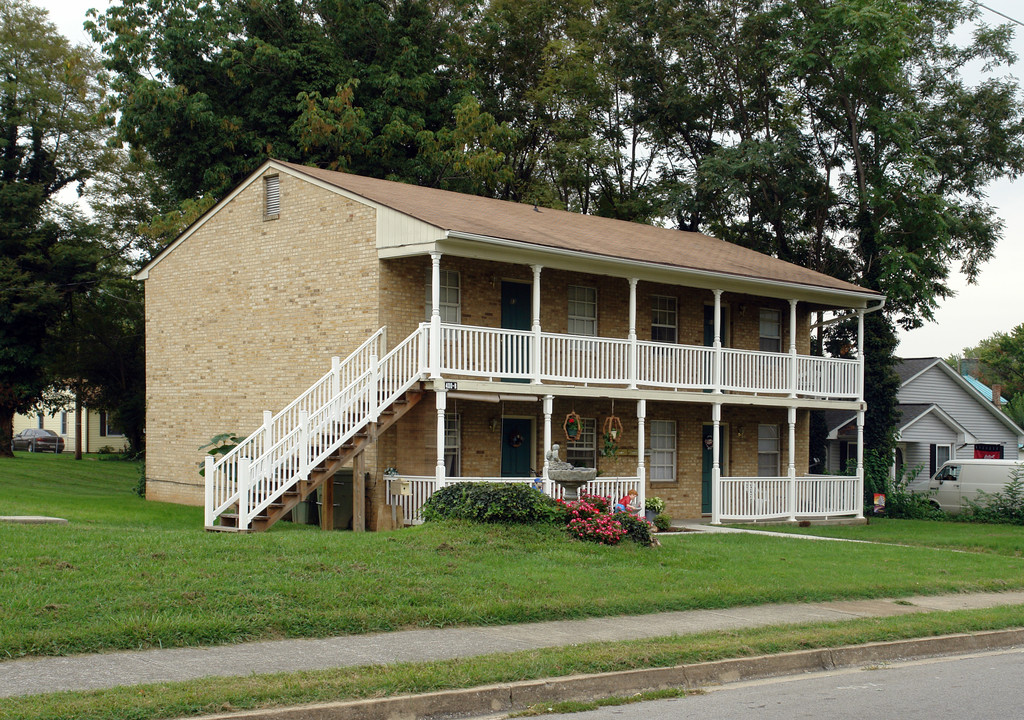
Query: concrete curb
[509, 697]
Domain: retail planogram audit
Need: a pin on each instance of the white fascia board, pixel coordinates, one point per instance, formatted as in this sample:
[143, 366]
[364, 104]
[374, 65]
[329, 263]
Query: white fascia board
[653, 272]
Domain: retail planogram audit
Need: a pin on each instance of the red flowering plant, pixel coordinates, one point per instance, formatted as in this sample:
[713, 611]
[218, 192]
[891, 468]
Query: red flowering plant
[602, 529]
[601, 502]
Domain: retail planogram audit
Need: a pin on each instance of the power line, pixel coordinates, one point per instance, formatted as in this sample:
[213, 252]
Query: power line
[1001, 14]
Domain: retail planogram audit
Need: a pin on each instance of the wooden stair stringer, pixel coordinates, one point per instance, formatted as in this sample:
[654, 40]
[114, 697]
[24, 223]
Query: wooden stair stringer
[336, 461]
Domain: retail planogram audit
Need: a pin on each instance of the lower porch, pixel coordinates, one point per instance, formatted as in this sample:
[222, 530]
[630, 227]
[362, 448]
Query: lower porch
[810, 498]
[665, 449]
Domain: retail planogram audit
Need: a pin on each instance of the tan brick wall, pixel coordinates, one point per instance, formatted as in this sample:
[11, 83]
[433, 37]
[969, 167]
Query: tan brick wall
[245, 314]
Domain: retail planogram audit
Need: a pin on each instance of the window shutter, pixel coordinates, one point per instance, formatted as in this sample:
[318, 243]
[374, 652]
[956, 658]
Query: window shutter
[272, 187]
[931, 460]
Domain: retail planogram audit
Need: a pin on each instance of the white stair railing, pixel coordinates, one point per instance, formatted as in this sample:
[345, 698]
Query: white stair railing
[284, 450]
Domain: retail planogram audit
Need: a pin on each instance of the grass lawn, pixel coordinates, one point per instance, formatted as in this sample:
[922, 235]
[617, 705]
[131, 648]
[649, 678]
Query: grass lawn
[127, 573]
[971, 537]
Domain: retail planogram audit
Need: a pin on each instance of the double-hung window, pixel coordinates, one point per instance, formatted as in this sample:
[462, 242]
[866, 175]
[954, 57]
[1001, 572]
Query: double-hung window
[768, 450]
[582, 452]
[771, 330]
[582, 310]
[450, 294]
[663, 451]
[664, 319]
[452, 445]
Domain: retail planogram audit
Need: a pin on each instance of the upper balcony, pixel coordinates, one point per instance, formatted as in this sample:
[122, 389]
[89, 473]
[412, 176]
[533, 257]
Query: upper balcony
[543, 357]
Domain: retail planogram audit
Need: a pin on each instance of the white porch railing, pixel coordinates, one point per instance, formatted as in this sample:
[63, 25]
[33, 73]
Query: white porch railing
[495, 353]
[284, 449]
[827, 495]
[769, 498]
[423, 486]
[826, 376]
[675, 366]
[290, 444]
[745, 370]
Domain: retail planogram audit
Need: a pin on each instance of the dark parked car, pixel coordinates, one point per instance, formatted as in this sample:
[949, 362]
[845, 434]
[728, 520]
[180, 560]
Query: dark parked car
[38, 440]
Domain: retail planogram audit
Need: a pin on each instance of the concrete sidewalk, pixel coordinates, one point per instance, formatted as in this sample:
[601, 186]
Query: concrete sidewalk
[88, 672]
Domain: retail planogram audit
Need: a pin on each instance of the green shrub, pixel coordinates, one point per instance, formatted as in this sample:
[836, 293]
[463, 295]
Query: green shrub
[637, 529]
[492, 502]
[140, 484]
[655, 504]
[901, 503]
[663, 522]
[1005, 507]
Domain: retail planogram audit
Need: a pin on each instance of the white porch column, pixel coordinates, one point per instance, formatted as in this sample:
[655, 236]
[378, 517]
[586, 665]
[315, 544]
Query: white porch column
[792, 463]
[535, 358]
[435, 316]
[718, 350]
[632, 334]
[860, 355]
[548, 400]
[860, 463]
[716, 470]
[860, 414]
[792, 348]
[641, 448]
[441, 399]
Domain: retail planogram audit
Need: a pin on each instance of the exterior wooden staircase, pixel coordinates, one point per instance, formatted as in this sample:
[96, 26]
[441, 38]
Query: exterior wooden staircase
[296, 451]
[325, 469]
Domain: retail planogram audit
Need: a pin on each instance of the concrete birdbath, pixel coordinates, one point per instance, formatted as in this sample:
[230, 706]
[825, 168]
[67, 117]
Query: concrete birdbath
[569, 477]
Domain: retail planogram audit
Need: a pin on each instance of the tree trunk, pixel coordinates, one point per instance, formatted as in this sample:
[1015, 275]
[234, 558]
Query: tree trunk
[6, 432]
[78, 427]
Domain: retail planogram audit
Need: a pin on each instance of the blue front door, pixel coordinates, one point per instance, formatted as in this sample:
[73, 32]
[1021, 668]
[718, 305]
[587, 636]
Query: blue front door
[516, 436]
[515, 315]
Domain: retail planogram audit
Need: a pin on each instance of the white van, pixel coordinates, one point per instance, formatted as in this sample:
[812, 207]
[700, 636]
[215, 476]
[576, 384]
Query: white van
[960, 480]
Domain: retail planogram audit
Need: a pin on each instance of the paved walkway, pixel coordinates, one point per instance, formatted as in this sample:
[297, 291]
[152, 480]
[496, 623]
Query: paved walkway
[87, 672]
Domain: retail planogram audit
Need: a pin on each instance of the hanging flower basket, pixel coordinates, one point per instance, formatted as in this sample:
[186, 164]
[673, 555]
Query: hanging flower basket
[612, 434]
[572, 426]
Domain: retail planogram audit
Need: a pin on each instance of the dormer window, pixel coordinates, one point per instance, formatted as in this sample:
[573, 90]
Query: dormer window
[272, 197]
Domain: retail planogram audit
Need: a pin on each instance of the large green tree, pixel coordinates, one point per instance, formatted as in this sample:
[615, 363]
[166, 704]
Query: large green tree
[837, 134]
[50, 139]
[209, 89]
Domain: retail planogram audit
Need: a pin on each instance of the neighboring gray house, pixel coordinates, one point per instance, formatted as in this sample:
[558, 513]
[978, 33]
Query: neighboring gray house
[943, 416]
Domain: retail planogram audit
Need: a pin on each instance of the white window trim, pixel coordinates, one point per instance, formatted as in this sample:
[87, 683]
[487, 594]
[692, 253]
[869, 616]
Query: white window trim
[590, 320]
[451, 312]
[453, 444]
[777, 452]
[585, 446]
[654, 451]
[675, 315]
[761, 336]
[949, 449]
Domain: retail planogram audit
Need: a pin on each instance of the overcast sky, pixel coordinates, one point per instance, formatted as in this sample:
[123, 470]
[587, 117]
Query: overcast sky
[994, 303]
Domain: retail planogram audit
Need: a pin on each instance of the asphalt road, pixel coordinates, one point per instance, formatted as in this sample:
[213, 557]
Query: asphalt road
[975, 687]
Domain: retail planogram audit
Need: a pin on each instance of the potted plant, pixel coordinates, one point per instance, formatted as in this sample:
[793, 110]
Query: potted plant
[653, 506]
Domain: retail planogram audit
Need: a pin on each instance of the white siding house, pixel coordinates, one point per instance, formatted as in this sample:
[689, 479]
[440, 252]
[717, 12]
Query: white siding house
[944, 416]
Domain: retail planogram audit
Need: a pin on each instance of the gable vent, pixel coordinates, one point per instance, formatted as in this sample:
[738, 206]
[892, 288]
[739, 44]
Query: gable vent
[272, 188]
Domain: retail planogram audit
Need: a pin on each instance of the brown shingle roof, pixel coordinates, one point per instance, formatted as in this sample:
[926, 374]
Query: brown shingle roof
[572, 231]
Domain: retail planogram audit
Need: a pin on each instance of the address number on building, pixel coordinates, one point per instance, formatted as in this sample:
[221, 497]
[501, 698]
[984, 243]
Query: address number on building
[449, 385]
